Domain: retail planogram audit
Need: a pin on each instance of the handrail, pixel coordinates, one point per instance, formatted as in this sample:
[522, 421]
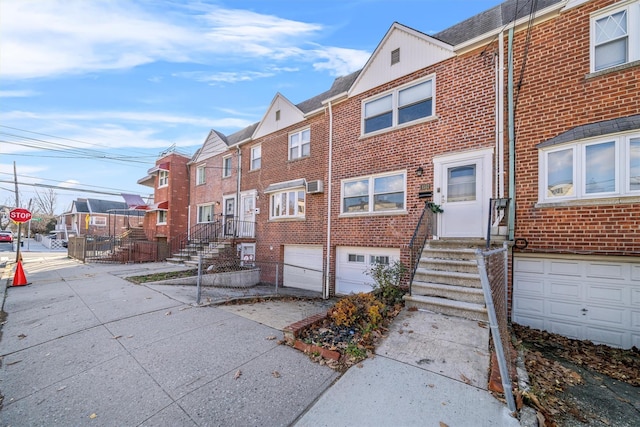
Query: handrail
[418, 240]
[497, 208]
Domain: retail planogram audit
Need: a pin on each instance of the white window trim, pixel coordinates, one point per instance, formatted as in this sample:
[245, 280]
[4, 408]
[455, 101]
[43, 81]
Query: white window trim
[252, 158]
[163, 178]
[201, 177]
[98, 221]
[394, 106]
[226, 172]
[158, 218]
[199, 220]
[300, 132]
[633, 32]
[580, 196]
[371, 179]
[294, 216]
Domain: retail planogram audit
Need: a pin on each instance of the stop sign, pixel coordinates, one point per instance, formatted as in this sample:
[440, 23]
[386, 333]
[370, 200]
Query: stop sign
[20, 215]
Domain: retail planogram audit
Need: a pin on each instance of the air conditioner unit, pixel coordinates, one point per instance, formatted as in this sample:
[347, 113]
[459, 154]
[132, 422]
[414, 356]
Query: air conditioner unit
[314, 187]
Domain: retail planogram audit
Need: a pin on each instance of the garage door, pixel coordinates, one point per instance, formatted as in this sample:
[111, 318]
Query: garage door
[303, 267]
[352, 264]
[586, 298]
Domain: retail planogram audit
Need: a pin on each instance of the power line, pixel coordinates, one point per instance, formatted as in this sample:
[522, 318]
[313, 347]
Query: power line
[76, 189]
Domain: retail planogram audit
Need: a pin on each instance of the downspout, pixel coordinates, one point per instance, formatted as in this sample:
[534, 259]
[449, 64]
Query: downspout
[325, 290]
[512, 178]
[236, 213]
[500, 115]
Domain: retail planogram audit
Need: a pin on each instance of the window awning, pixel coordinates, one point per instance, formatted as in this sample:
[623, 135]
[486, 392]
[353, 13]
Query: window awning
[159, 167]
[160, 206]
[591, 130]
[281, 186]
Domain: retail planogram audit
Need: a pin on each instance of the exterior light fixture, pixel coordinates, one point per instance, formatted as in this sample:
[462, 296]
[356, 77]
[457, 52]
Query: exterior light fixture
[419, 171]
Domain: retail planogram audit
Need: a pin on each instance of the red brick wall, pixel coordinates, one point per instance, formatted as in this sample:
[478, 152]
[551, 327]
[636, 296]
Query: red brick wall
[558, 94]
[215, 185]
[275, 167]
[177, 194]
[465, 94]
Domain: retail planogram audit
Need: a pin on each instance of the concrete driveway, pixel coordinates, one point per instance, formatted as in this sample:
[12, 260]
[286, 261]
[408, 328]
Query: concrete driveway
[81, 345]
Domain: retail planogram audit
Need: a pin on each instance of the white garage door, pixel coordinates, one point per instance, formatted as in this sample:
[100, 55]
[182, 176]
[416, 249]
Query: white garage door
[352, 264]
[303, 267]
[586, 298]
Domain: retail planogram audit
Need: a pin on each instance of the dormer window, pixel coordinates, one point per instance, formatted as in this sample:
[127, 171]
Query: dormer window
[277, 115]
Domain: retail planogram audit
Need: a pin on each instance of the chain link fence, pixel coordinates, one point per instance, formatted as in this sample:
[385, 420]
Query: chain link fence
[234, 278]
[493, 266]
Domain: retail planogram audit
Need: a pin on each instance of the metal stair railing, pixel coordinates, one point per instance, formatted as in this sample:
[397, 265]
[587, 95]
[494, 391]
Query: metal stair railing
[419, 239]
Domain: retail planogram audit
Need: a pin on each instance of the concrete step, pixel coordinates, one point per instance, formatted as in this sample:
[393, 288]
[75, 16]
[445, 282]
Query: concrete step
[449, 253]
[449, 307]
[458, 293]
[470, 280]
[457, 265]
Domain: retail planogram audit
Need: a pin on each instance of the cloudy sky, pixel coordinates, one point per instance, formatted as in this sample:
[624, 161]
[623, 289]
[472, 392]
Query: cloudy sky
[91, 92]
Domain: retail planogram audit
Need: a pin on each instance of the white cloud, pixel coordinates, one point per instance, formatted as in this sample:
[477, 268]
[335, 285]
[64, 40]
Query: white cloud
[17, 93]
[62, 37]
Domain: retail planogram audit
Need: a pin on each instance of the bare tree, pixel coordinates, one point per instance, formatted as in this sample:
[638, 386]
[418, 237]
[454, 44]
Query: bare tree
[45, 201]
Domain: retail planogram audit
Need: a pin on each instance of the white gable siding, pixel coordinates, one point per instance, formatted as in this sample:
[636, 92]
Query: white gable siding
[289, 115]
[417, 51]
[211, 147]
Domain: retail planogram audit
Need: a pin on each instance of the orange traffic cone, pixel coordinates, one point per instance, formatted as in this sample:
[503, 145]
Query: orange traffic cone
[19, 279]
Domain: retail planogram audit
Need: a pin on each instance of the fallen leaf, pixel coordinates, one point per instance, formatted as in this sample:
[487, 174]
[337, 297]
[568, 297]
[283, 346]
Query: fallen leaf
[168, 313]
[13, 363]
[93, 416]
[271, 337]
[62, 388]
[276, 374]
[443, 424]
[21, 336]
[237, 375]
[465, 379]
[115, 337]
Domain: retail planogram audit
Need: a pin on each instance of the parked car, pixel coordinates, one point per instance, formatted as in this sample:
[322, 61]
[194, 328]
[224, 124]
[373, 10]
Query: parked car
[6, 236]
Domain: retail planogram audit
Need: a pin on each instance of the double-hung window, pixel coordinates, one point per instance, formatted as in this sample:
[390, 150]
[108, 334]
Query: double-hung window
[299, 144]
[200, 175]
[591, 169]
[162, 217]
[288, 204]
[406, 104]
[256, 157]
[205, 213]
[615, 36]
[226, 166]
[163, 178]
[374, 194]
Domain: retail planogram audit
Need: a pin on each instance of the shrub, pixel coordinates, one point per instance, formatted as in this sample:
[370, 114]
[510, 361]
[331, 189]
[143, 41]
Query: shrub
[359, 311]
[388, 279]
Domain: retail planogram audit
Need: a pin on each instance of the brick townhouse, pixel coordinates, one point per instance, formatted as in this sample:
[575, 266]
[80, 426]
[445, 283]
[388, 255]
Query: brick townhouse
[577, 172]
[534, 102]
[166, 219]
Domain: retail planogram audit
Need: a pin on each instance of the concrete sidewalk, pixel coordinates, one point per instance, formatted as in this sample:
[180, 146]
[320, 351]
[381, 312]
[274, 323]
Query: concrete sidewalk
[81, 344]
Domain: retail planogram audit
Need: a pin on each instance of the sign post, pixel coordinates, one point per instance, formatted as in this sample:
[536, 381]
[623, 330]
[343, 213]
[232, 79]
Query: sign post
[19, 215]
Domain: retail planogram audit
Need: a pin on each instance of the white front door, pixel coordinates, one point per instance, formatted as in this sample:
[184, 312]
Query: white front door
[463, 190]
[247, 214]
